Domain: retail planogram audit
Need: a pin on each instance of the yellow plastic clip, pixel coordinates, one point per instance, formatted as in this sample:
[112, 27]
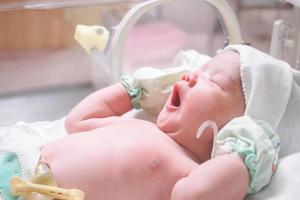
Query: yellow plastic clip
[92, 38]
[22, 187]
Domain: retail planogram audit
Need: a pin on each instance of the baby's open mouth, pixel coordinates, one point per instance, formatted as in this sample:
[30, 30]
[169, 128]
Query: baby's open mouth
[175, 101]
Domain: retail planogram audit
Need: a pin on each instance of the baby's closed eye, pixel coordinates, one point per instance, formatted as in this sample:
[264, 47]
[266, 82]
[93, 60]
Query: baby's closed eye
[222, 81]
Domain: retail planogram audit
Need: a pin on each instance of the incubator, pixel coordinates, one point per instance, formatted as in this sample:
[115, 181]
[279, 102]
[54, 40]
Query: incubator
[285, 43]
[39, 46]
[132, 34]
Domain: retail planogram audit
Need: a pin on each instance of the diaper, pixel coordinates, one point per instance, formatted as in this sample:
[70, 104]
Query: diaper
[20, 154]
[12, 186]
[9, 166]
[26, 140]
[256, 143]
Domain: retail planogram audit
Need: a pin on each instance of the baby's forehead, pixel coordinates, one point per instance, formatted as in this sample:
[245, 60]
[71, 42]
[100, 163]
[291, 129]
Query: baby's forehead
[227, 62]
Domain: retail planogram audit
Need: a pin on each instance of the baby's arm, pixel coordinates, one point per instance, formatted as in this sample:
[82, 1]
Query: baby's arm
[100, 108]
[224, 177]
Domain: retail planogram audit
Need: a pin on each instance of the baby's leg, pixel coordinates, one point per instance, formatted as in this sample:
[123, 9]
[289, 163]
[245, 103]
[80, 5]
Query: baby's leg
[224, 177]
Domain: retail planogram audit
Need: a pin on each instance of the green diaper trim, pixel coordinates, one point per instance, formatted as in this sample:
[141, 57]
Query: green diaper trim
[133, 90]
[9, 166]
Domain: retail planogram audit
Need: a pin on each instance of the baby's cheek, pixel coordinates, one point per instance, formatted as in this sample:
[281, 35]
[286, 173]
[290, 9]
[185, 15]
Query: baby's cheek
[233, 108]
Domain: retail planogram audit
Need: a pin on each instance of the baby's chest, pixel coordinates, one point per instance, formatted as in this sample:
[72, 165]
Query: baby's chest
[141, 152]
[146, 168]
[139, 161]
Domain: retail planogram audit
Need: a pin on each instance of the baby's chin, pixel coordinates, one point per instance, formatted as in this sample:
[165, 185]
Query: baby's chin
[166, 123]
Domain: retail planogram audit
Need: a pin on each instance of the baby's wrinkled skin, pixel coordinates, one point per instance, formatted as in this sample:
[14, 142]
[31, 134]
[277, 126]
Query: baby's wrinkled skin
[113, 158]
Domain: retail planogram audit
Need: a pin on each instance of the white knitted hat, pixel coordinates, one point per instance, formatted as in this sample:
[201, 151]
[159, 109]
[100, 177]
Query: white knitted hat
[272, 93]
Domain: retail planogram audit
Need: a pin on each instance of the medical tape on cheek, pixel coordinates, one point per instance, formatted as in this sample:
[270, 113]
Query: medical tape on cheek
[214, 127]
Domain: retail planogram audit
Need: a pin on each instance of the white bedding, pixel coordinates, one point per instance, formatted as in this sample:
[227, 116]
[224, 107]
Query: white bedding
[285, 184]
[54, 129]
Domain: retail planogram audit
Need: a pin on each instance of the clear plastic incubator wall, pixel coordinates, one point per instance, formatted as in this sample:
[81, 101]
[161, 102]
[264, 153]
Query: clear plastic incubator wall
[39, 53]
[38, 50]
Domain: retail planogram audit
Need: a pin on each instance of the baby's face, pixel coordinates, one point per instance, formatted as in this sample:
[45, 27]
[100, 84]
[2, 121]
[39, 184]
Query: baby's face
[212, 92]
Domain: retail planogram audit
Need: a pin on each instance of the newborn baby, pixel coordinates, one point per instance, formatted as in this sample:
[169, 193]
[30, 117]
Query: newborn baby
[181, 156]
[109, 157]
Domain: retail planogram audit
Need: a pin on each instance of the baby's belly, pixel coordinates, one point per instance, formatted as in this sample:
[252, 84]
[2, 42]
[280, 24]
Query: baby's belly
[133, 161]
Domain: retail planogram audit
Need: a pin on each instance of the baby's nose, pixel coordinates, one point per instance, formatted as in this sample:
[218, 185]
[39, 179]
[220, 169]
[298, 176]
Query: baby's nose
[190, 78]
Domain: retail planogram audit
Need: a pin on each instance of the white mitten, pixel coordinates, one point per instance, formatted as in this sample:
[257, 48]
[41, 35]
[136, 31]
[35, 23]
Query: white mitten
[149, 87]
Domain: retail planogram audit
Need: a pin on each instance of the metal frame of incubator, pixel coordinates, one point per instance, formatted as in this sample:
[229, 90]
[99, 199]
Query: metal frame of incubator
[285, 42]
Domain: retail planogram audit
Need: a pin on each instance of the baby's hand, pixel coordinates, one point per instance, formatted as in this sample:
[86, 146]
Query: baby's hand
[149, 87]
[226, 175]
